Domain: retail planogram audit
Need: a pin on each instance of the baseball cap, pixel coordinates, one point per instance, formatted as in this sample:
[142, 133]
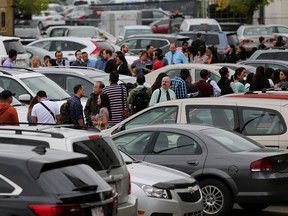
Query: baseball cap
[6, 94]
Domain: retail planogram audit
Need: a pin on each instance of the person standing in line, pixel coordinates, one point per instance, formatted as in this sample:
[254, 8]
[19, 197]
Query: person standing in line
[78, 62]
[150, 50]
[45, 112]
[175, 56]
[110, 61]
[124, 49]
[101, 62]
[238, 79]
[205, 89]
[91, 107]
[122, 67]
[60, 62]
[224, 82]
[179, 85]
[230, 55]
[8, 114]
[88, 62]
[9, 62]
[118, 98]
[259, 82]
[101, 119]
[31, 105]
[201, 57]
[164, 93]
[76, 109]
[196, 44]
[216, 88]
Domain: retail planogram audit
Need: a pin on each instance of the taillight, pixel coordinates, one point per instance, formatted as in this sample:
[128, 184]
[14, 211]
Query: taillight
[246, 41]
[56, 210]
[82, 18]
[94, 137]
[264, 165]
[129, 183]
[97, 50]
[49, 18]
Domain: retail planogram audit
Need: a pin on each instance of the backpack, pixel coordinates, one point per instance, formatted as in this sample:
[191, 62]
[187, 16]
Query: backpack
[65, 112]
[141, 100]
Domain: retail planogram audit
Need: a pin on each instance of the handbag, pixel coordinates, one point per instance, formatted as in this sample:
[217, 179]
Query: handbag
[125, 109]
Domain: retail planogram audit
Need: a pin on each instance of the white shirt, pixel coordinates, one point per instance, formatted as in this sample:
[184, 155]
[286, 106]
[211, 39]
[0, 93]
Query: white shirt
[42, 114]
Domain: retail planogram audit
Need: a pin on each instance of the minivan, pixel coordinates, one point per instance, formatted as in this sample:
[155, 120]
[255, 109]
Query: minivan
[199, 24]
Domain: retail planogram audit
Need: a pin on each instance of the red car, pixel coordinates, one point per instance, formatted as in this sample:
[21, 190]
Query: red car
[161, 26]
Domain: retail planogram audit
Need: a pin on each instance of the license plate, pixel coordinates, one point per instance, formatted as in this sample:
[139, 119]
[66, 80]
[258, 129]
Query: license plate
[97, 211]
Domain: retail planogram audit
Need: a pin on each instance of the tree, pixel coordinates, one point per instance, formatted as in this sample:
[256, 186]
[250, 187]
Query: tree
[247, 7]
[31, 6]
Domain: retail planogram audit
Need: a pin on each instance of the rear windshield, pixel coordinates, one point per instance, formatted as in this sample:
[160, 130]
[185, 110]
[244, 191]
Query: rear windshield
[233, 39]
[204, 27]
[102, 153]
[14, 44]
[137, 31]
[64, 179]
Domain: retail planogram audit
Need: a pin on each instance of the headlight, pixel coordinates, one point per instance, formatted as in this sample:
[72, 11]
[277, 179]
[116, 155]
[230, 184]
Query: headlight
[156, 192]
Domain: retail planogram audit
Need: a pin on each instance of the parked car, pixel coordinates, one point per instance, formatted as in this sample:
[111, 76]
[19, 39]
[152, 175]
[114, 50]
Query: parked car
[162, 41]
[27, 34]
[232, 66]
[161, 26]
[33, 179]
[161, 190]
[68, 46]
[278, 30]
[263, 120]
[269, 94]
[7, 43]
[80, 31]
[48, 18]
[200, 24]
[67, 78]
[37, 51]
[272, 54]
[248, 36]
[174, 70]
[220, 39]
[103, 156]
[228, 166]
[268, 63]
[127, 31]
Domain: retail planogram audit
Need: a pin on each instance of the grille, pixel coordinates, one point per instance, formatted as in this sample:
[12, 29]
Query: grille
[198, 213]
[188, 197]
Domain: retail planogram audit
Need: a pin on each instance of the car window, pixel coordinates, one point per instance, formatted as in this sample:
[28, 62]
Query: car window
[218, 116]
[256, 31]
[132, 43]
[13, 86]
[66, 46]
[175, 144]
[163, 22]
[6, 186]
[137, 31]
[14, 44]
[204, 27]
[71, 81]
[262, 122]
[134, 143]
[276, 66]
[173, 73]
[213, 76]
[158, 14]
[211, 39]
[233, 39]
[58, 32]
[44, 45]
[159, 115]
[159, 43]
[266, 56]
[81, 32]
[282, 29]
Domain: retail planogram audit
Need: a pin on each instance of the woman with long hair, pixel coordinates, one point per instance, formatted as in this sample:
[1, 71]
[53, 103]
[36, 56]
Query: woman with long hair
[283, 79]
[31, 105]
[260, 82]
[238, 79]
[101, 120]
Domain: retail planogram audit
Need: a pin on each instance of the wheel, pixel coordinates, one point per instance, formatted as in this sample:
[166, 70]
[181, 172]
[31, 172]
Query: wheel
[40, 26]
[217, 197]
[253, 207]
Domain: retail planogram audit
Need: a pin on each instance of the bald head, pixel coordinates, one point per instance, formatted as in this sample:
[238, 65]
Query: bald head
[166, 83]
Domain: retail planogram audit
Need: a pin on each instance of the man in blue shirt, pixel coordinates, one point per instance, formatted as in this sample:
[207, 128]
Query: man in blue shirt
[174, 56]
[76, 109]
[179, 85]
[89, 62]
[9, 62]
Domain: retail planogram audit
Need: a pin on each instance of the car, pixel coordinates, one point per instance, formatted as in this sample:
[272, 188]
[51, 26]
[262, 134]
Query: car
[228, 166]
[160, 190]
[200, 24]
[263, 120]
[27, 34]
[7, 43]
[68, 46]
[269, 94]
[40, 181]
[67, 78]
[48, 18]
[162, 41]
[174, 70]
[248, 36]
[161, 26]
[232, 66]
[36, 51]
[103, 155]
[220, 39]
[80, 31]
[278, 30]
[272, 54]
[267, 63]
[127, 31]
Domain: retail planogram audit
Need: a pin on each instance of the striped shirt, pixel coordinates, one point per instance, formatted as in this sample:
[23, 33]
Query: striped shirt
[114, 93]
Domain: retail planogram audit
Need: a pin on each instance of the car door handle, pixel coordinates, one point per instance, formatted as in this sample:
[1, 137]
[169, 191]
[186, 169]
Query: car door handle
[194, 163]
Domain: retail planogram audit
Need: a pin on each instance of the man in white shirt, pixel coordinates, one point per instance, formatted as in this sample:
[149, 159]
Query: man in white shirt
[45, 112]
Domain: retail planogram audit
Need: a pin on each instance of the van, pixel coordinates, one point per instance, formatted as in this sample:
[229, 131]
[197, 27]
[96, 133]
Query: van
[199, 24]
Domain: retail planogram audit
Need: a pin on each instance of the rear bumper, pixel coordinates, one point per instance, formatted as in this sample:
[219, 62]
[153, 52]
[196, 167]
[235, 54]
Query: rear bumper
[129, 208]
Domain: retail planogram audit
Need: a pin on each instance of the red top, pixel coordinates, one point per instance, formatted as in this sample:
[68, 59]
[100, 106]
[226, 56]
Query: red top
[157, 65]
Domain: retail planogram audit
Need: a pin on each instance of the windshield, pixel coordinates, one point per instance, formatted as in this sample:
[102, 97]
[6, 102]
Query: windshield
[137, 31]
[234, 142]
[87, 32]
[126, 157]
[54, 92]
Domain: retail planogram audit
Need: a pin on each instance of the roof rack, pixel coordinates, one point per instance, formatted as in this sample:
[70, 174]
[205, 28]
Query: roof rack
[23, 68]
[20, 131]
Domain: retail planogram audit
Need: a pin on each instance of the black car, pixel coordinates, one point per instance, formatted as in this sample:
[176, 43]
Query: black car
[35, 181]
[228, 166]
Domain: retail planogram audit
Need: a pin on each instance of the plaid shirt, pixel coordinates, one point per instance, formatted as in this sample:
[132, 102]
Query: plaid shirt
[179, 87]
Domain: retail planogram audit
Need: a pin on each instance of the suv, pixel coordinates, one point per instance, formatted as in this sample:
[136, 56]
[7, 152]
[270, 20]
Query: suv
[103, 155]
[36, 181]
[7, 43]
[273, 54]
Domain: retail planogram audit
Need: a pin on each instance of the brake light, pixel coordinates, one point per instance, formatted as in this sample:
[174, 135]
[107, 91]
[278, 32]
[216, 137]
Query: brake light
[83, 18]
[56, 210]
[264, 165]
[245, 42]
[97, 50]
[129, 183]
[49, 18]
[94, 137]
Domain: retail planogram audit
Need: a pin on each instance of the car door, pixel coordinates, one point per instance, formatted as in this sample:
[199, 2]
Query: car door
[178, 150]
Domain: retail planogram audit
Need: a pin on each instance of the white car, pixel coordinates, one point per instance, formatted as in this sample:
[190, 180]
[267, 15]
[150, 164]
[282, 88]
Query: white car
[48, 18]
[7, 43]
[278, 30]
[68, 46]
[158, 189]
[127, 31]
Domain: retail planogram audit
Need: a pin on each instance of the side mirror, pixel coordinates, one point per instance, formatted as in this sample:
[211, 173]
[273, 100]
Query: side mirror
[24, 98]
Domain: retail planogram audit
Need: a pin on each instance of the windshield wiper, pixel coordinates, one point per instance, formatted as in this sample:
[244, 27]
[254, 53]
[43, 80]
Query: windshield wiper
[86, 188]
[111, 167]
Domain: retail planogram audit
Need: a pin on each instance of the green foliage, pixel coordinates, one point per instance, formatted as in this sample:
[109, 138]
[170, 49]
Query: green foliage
[31, 6]
[246, 6]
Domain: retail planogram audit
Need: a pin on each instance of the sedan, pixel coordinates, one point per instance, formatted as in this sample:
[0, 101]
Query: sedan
[267, 63]
[48, 18]
[229, 167]
[161, 190]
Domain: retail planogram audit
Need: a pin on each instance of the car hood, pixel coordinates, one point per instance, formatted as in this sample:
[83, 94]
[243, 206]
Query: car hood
[150, 174]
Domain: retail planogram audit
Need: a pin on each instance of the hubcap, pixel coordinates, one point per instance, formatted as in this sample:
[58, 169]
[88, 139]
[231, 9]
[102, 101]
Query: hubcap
[213, 199]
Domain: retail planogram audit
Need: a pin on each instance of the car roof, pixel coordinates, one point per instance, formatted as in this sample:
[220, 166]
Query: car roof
[280, 95]
[265, 61]
[136, 27]
[4, 38]
[67, 39]
[163, 36]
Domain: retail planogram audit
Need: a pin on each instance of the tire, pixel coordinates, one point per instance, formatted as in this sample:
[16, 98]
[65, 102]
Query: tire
[40, 26]
[253, 207]
[217, 198]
